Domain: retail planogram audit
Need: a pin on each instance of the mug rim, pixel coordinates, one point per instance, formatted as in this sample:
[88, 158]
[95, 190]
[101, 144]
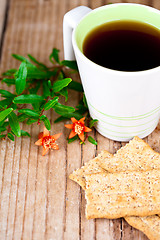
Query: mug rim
[114, 71]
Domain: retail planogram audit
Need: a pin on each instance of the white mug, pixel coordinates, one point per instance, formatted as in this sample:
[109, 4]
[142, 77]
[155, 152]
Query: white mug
[126, 104]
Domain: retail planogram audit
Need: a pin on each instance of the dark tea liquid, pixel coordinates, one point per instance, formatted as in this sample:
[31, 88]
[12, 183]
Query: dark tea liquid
[124, 46]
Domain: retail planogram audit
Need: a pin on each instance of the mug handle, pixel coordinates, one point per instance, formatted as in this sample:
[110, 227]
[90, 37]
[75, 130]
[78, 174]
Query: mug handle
[70, 20]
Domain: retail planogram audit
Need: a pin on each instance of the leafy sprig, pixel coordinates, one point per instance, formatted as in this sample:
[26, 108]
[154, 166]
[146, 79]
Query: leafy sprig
[37, 90]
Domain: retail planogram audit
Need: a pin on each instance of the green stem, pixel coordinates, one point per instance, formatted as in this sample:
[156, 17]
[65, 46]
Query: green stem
[38, 122]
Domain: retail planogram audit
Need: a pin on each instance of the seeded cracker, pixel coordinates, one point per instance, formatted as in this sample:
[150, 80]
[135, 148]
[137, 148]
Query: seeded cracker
[123, 194]
[90, 167]
[148, 225]
[136, 155]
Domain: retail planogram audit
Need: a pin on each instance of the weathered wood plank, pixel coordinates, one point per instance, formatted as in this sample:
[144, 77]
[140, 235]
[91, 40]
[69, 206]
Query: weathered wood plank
[21, 189]
[108, 229]
[56, 180]
[156, 4]
[145, 2]
[87, 226]
[6, 159]
[72, 224]
[84, 3]
[3, 12]
[113, 1]
[96, 4]
[6, 184]
[28, 217]
[38, 201]
[7, 167]
[88, 152]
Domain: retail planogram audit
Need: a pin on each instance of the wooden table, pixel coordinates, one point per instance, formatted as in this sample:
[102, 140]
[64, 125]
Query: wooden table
[38, 201]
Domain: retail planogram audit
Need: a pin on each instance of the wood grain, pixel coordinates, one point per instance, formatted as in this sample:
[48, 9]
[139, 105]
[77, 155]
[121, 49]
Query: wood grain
[37, 199]
[3, 20]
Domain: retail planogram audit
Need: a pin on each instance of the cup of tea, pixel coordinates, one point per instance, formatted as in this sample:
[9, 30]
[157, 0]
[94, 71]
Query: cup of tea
[117, 49]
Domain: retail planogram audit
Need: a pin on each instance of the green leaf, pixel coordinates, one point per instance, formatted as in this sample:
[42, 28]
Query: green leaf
[75, 86]
[81, 108]
[35, 89]
[36, 106]
[9, 72]
[20, 58]
[60, 119]
[14, 124]
[52, 94]
[6, 94]
[91, 140]
[10, 136]
[70, 64]
[24, 133]
[63, 73]
[2, 136]
[4, 124]
[22, 117]
[62, 109]
[85, 101]
[8, 81]
[70, 140]
[92, 122]
[32, 71]
[42, 104]
[14, 106]
[64, 93]
[42, 117]
[49, 84]
[81, 111]
[21, 78]
[5, 113]
[37, 62]
[54, 55]
[46, 89]
[29, 112]
[67, 112]
[51, 103]
[30, 121]
[59, 85]
[35, 73]
[60, 76]
[24, 99]
[2, 129]
[47, 123]
[6, 102]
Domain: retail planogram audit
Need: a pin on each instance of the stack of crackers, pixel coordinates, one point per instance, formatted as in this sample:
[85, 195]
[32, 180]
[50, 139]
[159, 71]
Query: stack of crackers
[126, 184]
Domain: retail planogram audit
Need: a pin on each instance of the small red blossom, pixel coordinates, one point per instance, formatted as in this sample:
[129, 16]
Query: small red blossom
[47, 141]
[78, 127]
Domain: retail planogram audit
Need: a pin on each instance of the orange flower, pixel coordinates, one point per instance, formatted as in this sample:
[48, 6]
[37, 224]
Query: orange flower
[78, 127]
[47, 141]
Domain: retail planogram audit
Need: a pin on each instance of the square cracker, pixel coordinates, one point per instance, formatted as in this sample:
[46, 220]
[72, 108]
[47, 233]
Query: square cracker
[136, 155]
[92, 166]
[123, 194]
[148, 225]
